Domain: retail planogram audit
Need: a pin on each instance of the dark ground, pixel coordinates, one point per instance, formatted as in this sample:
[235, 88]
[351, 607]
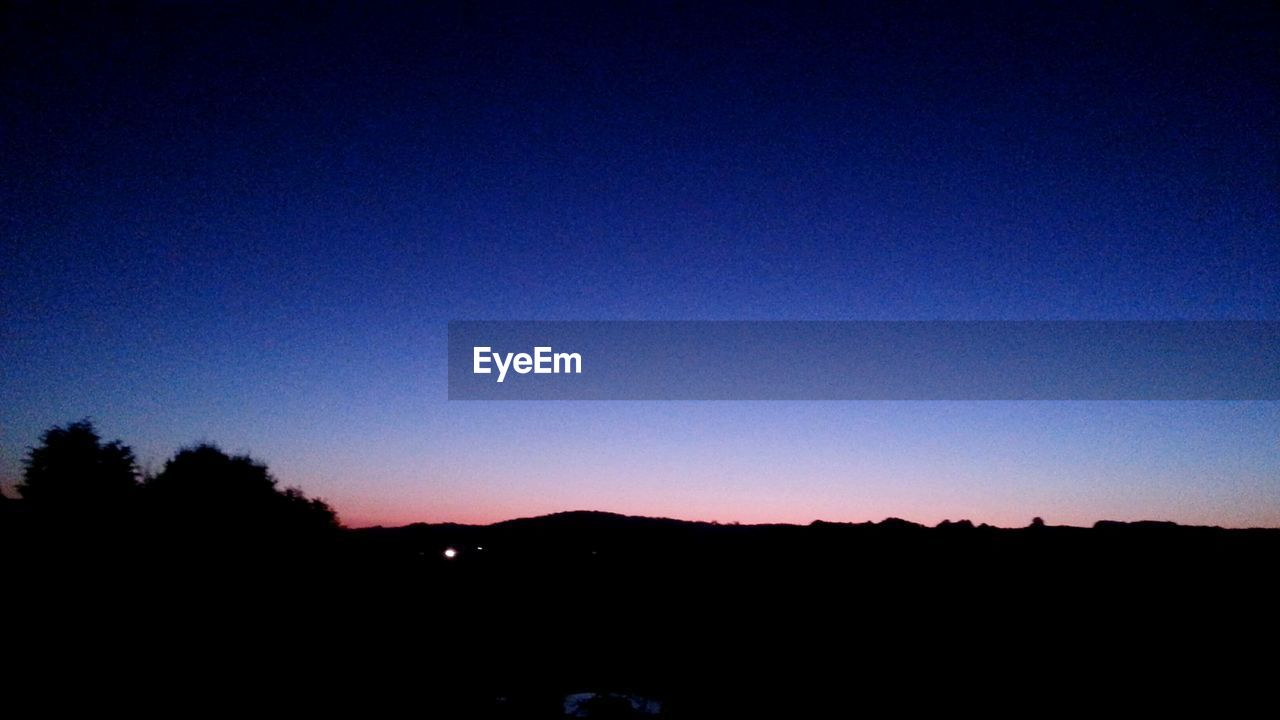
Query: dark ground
[712, 620]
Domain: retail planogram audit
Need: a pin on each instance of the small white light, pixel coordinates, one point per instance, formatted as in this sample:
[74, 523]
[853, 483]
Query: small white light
[450, 553]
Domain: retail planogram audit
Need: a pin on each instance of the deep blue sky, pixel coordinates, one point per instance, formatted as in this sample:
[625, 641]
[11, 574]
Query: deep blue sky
[250, 222]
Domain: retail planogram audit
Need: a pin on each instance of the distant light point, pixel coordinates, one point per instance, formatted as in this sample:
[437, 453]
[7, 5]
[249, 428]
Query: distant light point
[450, 553]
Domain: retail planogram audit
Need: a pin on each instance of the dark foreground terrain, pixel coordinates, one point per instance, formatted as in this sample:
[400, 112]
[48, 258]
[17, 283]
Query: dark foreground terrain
[694, 619]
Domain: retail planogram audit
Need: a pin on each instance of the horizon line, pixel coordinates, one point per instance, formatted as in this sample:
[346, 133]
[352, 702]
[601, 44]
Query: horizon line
[733, 523]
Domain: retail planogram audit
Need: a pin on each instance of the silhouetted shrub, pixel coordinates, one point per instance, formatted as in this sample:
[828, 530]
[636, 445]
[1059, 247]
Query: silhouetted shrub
[203, 492]
[73, 472]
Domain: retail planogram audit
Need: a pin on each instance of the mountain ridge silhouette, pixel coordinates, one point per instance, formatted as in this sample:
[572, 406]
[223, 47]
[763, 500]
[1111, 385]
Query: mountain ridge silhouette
[605, 517]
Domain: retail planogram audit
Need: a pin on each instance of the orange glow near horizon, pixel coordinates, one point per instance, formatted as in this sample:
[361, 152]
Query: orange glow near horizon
[759, 516]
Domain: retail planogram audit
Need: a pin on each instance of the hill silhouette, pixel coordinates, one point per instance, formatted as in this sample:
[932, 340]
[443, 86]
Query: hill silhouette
[601, 540]
[784, 620]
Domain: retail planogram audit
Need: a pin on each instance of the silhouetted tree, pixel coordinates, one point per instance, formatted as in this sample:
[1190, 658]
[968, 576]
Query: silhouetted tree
[309, 513]
[73, 471]
[204, 491]
[1037, 522]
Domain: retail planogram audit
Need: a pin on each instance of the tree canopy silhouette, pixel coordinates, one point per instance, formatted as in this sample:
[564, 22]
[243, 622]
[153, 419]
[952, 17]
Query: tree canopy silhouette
[202, 489]
[72, 470]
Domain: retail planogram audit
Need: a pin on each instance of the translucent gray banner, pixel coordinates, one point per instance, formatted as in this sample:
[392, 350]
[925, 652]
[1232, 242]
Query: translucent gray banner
[864, 360]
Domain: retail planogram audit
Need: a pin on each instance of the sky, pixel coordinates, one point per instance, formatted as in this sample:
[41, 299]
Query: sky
[249, 223]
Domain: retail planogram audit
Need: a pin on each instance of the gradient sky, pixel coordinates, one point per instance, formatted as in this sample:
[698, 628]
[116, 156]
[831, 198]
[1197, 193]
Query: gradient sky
[250, 222]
